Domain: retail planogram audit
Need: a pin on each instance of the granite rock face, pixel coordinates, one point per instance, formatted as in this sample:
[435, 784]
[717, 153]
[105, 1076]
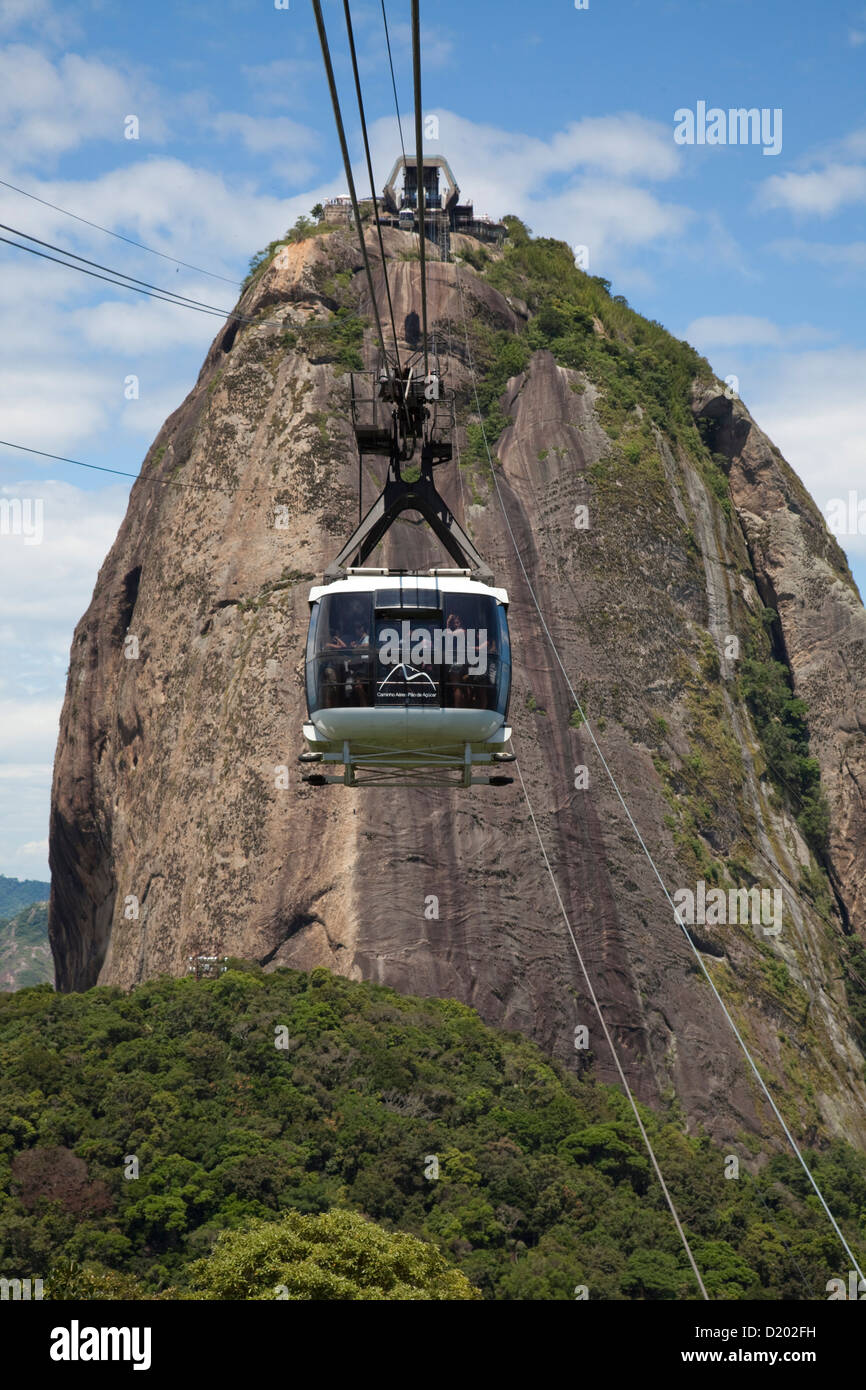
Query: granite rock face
[175, 832]
[802, 573]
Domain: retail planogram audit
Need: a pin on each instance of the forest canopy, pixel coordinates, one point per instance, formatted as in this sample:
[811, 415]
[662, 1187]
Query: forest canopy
[136, 1129]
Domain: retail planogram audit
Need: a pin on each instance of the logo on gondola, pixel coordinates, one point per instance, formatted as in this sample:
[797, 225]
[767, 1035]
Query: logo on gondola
[407, 675]
[405, 684]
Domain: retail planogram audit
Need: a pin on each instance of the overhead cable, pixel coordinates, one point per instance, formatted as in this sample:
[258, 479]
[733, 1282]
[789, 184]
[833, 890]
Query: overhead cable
[120, 237]
[372, 183]
[419, 158]
[347, 163]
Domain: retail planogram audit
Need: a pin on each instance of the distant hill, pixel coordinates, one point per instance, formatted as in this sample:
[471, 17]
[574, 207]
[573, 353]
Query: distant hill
[16, 893]
[25, 956]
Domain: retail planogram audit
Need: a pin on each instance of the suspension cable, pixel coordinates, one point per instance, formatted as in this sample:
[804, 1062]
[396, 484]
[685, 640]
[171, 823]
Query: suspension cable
[128, 282]
[678, 918]
[419, 165]
[372, 183]
[610, 1043]
[108, 231]
[347, 163]
[393, 82]
[117, 472]
[120, 274]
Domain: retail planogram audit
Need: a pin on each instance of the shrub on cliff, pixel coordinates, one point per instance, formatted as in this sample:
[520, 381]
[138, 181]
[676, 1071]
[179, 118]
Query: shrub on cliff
[780, 719]
[304, 227]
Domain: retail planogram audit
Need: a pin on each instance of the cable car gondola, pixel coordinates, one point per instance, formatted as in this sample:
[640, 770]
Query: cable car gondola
[408, 674]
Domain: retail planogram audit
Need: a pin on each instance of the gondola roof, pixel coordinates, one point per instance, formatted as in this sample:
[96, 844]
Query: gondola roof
[456, 582]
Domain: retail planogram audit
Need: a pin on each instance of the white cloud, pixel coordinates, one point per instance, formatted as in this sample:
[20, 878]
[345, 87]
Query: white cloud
[25, 789]
[283, 81]
[820, 192]
[842, 256]
[437, 46]
[852, 145]
[139, 326]
[620, 145]
[51, 583]
[49, 108]
[747, 330]
[813, 406]
[54, 403]
[181, 211]
[146, 416]
[34, 847]
[271, 135]
[40, 16]
[34, 303]
[836, 179]
[28, 728]
[603, 214]
[15, 13]
[187, 212]
[44, 589]
[68, 342]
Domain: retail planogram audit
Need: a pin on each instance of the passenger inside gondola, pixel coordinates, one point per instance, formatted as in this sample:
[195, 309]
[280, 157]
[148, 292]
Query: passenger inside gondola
[346, 676]
[470, 676]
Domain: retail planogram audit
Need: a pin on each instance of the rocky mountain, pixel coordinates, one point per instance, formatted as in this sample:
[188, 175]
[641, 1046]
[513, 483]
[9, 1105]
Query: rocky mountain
[25, 955]
[705, 615]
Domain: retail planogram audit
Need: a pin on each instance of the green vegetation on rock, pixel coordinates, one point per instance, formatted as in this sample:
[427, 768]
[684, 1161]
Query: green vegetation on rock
[780, 719]
[645, 378]
[633, 359]
[337, 339]
[303, 228]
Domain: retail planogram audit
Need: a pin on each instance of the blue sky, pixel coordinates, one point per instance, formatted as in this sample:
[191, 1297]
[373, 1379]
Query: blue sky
[563, 116]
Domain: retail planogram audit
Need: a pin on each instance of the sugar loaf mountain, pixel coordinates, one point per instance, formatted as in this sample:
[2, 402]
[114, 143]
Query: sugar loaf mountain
[705, 615]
